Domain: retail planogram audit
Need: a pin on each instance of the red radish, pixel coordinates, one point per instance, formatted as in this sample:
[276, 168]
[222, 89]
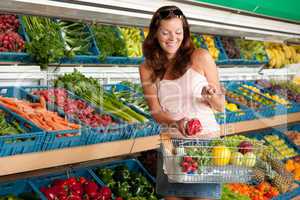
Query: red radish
[11, 41]
[195, 165]
[8, 23]
[188, 159]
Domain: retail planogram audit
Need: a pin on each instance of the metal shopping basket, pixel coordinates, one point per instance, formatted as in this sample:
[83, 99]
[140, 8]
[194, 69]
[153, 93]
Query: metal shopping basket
[192, 160]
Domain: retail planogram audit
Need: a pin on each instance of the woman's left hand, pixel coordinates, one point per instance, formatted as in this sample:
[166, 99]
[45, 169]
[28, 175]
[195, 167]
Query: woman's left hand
[208, 91]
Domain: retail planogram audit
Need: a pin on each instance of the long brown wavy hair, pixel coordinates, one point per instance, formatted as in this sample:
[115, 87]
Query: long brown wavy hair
[155, 58]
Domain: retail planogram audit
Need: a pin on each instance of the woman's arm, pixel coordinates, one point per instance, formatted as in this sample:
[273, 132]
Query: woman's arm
[150, 93]
[213, 94]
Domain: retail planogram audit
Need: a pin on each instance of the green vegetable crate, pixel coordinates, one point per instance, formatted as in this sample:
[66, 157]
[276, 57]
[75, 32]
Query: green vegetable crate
[18, 135]
[127, 179]
[79, 41]
[115, 44]
[148, 128]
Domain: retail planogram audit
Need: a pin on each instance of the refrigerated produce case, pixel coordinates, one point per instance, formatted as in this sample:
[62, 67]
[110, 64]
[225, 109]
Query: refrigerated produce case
[113, 69]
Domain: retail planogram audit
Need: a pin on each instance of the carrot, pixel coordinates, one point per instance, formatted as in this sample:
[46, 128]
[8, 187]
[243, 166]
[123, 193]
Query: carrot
[64, 122]
[8, 100]
[51, 127]
[59, 120]
[60, 127]
[14, 109]
[43, 102]
[74, 126]
[11, 103]
[35, 105]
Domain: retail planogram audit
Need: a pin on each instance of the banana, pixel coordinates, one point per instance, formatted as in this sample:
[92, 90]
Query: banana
[270, 53]
[277, 58]
[287, 51]
[272, 62]
[298, 58]
[272, 59]
[294, 53]
[282, 55]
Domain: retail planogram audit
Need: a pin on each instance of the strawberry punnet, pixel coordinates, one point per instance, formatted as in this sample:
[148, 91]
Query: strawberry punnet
[193, 126]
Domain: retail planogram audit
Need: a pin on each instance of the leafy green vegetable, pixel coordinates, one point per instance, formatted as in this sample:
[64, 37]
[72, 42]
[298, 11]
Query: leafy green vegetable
[9, 128]
[45, 44]
[108, 41]
[76, 37]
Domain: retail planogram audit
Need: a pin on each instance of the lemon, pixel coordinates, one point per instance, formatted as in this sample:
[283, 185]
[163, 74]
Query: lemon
[232, 107]
[221, 155]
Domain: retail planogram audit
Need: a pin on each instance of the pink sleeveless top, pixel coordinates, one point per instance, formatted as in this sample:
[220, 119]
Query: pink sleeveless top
[180, 98]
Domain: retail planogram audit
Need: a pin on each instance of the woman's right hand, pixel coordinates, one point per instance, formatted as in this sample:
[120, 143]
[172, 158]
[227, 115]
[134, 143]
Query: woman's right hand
[181, 125]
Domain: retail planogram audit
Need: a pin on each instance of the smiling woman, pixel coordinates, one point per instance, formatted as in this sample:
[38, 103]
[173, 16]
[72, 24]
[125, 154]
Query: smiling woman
[170, 40]
[169, 34]
[180, 83]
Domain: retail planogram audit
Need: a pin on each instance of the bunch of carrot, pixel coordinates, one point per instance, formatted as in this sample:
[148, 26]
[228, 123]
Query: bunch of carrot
[38, 114]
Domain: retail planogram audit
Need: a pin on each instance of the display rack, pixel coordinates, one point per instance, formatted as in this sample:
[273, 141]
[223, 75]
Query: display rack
[109, 74]
[40, 160]
[201, 19]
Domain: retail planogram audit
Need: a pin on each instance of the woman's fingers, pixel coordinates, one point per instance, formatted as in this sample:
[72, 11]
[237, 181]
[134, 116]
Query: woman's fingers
[208, 90]
[181, 125]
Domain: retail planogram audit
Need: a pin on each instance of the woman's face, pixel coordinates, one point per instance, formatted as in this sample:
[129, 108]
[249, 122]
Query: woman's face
[170, 35]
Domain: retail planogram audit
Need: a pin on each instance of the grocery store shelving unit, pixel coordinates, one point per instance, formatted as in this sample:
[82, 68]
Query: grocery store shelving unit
[40, 160]
[109, 74]
[201, 19]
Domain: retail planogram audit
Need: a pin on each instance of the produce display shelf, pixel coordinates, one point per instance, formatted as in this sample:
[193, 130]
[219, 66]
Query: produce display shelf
[34, 161]
[40, 160]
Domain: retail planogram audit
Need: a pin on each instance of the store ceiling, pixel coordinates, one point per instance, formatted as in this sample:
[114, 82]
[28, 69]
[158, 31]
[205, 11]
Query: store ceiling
[287, 10]
[202, 19]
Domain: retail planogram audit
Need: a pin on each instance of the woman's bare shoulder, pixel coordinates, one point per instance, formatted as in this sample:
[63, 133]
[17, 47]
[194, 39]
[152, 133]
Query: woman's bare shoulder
[198, 60]
[145, 67]
[200, 55]
[145, 70]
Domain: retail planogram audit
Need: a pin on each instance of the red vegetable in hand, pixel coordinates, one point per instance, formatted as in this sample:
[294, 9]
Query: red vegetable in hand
[193, 126]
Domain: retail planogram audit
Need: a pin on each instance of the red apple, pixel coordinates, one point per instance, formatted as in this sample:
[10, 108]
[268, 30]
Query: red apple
[245, 147]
